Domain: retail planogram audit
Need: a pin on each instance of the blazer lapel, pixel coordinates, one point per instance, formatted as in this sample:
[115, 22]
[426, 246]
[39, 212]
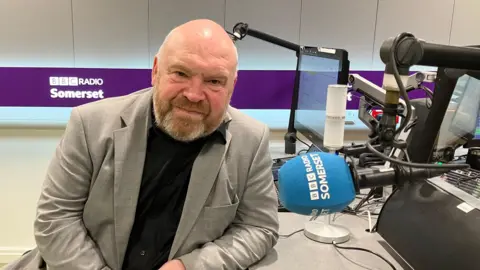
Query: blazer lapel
[204, 173]
[130, 144]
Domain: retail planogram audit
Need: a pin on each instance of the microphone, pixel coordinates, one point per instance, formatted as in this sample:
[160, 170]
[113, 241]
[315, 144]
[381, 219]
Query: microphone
[336, 109]
[319, 183]
[316, 182]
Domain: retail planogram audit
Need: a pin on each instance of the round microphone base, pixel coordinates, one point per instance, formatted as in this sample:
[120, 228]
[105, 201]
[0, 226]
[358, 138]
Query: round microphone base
[326, 233]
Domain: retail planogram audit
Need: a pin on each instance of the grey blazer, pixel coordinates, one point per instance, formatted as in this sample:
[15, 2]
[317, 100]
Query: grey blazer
[88, 200]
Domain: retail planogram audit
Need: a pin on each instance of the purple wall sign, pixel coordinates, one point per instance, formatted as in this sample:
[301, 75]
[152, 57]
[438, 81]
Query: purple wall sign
[69, 87]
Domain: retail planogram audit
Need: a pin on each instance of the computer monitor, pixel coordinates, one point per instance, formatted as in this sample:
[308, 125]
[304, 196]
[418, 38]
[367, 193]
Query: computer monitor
[464, 120]
[459, 121]
[317, 68]
[472, 109]
[475, 140]
[435, 136]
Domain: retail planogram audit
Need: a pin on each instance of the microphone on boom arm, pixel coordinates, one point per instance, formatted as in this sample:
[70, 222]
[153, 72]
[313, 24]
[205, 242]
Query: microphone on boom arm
[324, 183]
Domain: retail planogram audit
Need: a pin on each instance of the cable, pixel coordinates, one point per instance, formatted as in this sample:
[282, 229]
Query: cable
[303, 142]
[288, 235]
[370, 227]
[396, 74]
[352, 261]
[364, 200]
[366, 250]
[372, 205]
[343, 255]
[412, 164]
[301, 151]
[407, 156]
[429, 93]
[415, 121]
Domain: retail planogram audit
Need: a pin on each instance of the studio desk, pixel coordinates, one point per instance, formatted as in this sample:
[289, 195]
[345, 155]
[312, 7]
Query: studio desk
[299, 252]
[433, 224]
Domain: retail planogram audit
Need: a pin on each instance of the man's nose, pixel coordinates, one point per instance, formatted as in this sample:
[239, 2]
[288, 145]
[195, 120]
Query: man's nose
[195, 92]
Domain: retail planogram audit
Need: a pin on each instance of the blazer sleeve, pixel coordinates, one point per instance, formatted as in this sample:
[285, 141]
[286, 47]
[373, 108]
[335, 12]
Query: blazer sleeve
[60, 234]
[254, 231]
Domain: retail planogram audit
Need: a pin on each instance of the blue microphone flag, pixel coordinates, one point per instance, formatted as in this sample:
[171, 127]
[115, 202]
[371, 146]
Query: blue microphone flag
[316, 181]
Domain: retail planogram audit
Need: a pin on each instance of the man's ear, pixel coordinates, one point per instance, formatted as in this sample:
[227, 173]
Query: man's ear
[154, 70]
[235, 81]
[233, 88]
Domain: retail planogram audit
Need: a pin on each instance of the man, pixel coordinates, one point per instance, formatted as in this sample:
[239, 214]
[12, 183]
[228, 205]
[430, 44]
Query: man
[166, 178]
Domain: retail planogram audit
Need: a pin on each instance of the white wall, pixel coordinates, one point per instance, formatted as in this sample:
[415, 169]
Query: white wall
[341, 24]
[110, 33]
[24, 157]
[126, 33]
[430, 20]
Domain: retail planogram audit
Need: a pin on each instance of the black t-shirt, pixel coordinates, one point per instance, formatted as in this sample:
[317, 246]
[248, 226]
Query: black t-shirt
[165, 179]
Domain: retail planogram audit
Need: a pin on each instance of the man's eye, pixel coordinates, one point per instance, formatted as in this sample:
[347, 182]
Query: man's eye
[216, 82]
[180, 74]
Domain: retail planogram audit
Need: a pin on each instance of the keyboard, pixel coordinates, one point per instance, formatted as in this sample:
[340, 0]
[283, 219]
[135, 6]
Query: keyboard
[277, 163]
[467, 180]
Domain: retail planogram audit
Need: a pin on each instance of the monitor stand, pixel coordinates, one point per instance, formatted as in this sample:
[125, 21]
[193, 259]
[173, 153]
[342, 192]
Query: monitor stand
[290, 148]
[290, 143]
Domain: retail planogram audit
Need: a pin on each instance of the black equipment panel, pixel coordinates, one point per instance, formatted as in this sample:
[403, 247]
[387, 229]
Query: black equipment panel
[277, 163]
[424, 225]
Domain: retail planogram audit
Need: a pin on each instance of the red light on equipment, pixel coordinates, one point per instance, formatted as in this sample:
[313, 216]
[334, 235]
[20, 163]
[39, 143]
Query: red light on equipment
[378, 112]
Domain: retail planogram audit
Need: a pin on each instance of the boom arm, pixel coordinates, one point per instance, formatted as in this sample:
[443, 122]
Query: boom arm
[411, 51]
[240, 30]
[377, 95]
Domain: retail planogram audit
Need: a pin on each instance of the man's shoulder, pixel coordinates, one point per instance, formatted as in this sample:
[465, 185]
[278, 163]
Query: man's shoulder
[245, 125]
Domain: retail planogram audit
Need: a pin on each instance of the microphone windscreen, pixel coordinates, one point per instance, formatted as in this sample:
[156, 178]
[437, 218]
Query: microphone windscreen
[315, 181]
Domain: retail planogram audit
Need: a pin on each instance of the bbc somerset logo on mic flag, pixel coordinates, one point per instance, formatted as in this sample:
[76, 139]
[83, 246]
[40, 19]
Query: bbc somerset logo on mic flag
[76, 88]
[316, 177]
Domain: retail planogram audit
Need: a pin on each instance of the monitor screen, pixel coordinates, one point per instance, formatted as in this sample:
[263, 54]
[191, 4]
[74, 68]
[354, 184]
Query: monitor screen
[475, 140]
[316, 71]
[476, 134]
[460, 121]
[464, 119]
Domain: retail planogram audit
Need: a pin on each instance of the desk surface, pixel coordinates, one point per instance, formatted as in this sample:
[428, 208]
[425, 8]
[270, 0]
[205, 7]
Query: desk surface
[299, 252]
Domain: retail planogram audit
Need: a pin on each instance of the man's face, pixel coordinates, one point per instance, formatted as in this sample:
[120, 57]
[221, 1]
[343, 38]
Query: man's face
[192, 89]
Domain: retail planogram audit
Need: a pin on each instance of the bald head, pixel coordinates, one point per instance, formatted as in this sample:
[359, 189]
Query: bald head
[205, 34]
[193, 77]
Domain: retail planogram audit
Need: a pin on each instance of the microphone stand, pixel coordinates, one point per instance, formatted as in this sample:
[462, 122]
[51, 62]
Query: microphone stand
[325, 232]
